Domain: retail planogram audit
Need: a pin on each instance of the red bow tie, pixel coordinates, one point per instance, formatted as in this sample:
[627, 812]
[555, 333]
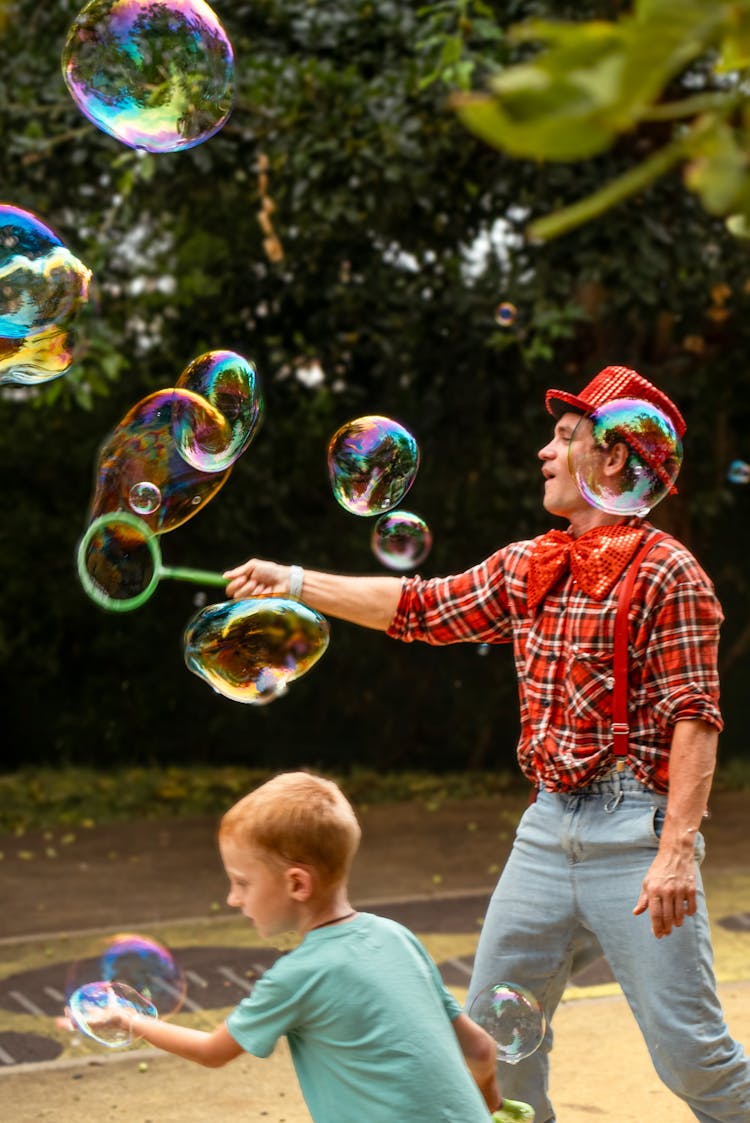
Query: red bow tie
[596, 560]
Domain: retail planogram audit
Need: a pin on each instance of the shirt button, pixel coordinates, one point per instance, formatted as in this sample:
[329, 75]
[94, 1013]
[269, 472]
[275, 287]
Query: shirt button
[609, 682]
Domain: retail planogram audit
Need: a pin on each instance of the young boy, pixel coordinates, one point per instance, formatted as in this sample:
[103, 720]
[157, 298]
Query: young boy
[374, 1035]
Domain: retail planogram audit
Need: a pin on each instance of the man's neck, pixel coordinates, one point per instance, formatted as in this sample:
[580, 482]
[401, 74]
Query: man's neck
[582, 521]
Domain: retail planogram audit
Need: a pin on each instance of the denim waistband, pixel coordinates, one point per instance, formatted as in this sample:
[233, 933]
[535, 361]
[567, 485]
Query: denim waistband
[612, 784]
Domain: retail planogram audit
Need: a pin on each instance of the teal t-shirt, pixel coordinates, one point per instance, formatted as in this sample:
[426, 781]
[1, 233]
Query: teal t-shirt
[368, 1021]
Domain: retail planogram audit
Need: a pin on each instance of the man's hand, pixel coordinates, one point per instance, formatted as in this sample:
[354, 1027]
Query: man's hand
[255, 578]
[668, 891]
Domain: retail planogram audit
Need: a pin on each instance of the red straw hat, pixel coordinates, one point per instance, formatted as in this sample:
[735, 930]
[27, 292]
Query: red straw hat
[609, 385]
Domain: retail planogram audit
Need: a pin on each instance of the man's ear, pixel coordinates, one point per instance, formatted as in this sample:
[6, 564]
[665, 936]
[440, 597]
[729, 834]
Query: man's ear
[616, 458]
[300, 882]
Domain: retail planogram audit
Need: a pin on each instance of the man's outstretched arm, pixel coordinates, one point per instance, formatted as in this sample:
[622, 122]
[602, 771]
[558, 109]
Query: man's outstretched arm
[368, 601]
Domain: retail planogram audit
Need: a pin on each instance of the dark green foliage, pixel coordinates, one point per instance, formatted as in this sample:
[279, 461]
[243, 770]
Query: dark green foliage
[342, 121]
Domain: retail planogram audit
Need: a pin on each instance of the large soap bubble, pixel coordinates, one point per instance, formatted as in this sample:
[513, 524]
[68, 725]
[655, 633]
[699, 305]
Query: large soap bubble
[249, 650]
[513, 1018]
[372, 463]
[43, 288]
[97, 1009]
[156, 74]
[230, 384]
[401, 540]
[654, 456]
[141, 459]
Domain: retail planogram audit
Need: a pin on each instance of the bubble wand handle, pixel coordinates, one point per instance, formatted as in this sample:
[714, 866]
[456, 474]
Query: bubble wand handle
[195, 576]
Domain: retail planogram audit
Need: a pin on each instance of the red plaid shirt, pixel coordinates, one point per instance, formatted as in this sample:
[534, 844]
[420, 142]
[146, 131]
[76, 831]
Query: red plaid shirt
[563, 655]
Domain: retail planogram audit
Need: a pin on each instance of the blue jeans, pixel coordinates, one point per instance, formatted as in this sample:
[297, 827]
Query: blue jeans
[566, 896]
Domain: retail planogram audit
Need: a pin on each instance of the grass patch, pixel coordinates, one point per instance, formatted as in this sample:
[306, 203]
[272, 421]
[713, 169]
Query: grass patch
[44, 797]
[40, 798]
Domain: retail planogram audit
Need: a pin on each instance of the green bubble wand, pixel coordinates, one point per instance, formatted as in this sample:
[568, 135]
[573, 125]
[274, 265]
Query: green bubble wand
[119, 563]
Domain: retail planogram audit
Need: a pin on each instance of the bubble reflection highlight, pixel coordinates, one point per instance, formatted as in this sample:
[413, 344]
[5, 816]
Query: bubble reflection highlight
[250, 650]
[653, 457]
[372, 463]
[401, 540]
[155, 74]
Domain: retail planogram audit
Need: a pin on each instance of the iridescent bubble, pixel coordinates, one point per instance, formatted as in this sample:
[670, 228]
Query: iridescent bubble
[505, 314]
[144, 498]
[483, 649]
[156, 74]
[143, 448]
[94, 1009]
[653, 456]
[230, 384]
[43, 288]
[148, 967]
[513, 1017]
[372, 463]
[401, 540]
[250, 650]
[739, 472]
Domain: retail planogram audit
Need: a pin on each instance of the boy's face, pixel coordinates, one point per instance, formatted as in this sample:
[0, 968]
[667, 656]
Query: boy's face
[259, 888]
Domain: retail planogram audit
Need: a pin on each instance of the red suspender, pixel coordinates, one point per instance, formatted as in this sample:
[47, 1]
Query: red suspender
[620, 727]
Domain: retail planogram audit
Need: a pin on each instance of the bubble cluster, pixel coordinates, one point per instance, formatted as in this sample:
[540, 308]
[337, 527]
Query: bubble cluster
[513, 1018]
[141, 457]
[401, 540]
[372, 463]
[96, 1008]
[738, 472]
[155, 74]
[250, 650]
[652, 456]
[174, 449]
[505, 314]
[130, 972]
[43, 288]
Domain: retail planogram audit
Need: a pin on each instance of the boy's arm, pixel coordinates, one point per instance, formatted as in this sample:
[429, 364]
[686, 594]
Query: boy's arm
[210, 1049]
[480, 1053]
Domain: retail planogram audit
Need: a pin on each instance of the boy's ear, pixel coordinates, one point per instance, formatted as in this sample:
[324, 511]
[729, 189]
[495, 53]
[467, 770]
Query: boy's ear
[300, 882]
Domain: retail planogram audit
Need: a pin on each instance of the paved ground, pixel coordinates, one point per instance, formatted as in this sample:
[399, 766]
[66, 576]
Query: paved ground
[429, 866]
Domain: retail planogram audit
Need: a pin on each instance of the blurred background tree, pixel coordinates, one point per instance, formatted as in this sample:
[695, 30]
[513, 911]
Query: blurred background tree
[346, 233]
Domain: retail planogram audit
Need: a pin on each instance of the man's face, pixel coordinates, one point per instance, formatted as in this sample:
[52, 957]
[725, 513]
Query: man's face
[561, 494]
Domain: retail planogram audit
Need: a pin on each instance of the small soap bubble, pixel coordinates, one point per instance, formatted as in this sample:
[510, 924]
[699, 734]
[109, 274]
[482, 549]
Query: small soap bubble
[230, 384]
[95, 1009]
[401, 540]
[144, 498]
[372, 463]
[654, 456]
[43, 288]
[483, 649]
[738, 472]
[513, 1018]
[142, 447]
[250, 650]
[157, 75]
[505, 314]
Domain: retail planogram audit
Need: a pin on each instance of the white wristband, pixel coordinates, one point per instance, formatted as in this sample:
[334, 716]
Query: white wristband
[296, 577]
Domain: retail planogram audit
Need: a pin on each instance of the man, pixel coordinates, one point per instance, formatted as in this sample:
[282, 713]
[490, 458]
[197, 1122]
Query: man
[606, 858]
